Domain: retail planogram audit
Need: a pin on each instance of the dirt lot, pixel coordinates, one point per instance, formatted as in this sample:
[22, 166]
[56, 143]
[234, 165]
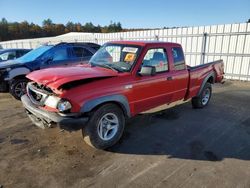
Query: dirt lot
[178, 147]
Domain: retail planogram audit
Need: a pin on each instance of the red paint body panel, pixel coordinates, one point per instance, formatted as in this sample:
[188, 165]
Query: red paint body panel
[55, 77]
[146, 92]
[198, 74]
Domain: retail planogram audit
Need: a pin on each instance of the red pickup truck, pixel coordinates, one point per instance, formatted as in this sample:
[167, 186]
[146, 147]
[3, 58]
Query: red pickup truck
[122, 79]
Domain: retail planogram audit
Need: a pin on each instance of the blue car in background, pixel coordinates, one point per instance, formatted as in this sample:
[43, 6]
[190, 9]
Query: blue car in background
[13, 72]
[10, 54]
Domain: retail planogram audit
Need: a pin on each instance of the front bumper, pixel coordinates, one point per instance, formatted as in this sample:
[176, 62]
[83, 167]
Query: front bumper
[44, 119]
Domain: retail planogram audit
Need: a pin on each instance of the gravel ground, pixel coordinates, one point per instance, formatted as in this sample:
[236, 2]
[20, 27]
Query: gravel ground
[177, 147]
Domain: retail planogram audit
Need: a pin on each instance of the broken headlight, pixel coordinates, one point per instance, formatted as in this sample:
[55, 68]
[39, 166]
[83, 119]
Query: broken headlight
[64, 105]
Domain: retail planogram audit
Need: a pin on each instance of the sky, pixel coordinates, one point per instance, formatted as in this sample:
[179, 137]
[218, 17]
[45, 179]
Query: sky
[131, 13]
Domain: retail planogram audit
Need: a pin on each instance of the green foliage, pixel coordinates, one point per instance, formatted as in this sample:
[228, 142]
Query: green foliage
[23, 30]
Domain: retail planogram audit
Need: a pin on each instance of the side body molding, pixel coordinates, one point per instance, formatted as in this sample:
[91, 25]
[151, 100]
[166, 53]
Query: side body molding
[17, 72]
[120, 99]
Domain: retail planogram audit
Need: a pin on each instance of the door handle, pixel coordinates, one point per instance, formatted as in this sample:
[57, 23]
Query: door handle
[169, 78]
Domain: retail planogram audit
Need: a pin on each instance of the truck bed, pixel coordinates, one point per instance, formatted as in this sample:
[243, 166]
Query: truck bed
[197, 74]
[191, 68]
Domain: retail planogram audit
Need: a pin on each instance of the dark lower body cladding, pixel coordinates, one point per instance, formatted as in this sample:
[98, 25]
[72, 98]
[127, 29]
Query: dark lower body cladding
[3, 85]
[43, 119]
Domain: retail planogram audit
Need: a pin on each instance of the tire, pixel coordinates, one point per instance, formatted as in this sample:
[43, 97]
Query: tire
[18, 88]
[92, 132]
[203, 99]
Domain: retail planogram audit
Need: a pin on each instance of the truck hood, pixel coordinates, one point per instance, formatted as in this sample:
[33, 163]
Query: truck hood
[56, 77]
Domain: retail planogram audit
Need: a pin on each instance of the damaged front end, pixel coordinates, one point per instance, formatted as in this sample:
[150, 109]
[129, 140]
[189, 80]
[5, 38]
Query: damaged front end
[39, 99]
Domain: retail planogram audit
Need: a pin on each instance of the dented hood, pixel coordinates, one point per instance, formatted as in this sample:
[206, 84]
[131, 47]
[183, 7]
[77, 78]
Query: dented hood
[56, 77]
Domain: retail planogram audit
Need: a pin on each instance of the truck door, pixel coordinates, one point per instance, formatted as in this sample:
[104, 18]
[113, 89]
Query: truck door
[152, 91]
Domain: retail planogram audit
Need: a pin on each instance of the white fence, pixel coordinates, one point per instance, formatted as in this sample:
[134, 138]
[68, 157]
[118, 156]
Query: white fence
[230, 42]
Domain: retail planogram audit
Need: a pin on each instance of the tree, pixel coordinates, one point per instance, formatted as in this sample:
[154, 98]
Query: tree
[89, 27]
[98, 29]
[70, 26]
[114, 27]
[24, 29]
[48, 22]
[35, 30]
[59, 29]
[3, 29]
[48, 27]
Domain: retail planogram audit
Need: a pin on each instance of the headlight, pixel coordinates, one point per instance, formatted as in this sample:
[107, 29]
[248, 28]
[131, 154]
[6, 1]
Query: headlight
[52, 101]
[63, 105]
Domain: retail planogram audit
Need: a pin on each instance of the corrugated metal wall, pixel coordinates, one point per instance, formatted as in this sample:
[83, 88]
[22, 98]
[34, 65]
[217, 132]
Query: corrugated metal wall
[230, 42]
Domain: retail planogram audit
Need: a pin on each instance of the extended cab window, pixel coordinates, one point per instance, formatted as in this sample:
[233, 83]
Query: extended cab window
[157, 58]
[178, 56]
[81, 52]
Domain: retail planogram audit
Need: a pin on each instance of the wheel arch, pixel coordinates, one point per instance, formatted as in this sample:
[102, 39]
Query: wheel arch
[210, 78]
[120, 100]
[18, 73]
[23, 76]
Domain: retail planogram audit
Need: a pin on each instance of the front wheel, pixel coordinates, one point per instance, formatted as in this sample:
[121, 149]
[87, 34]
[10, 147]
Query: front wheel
[203, 99]
[105, 127]
[18, 88]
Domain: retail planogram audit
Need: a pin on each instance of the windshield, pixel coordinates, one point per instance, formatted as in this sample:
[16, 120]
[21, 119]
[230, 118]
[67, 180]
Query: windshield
[120, 57]
[34, 54]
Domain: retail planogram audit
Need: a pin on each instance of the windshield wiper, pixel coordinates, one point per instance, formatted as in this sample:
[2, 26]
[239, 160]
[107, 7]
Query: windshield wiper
[104, 66]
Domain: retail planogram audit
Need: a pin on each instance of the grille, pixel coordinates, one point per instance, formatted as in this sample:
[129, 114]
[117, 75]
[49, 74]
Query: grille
[38, 97]
[42, 88]
[36, 94]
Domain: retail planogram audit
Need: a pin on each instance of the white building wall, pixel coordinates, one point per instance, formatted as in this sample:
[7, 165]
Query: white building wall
[230, 42]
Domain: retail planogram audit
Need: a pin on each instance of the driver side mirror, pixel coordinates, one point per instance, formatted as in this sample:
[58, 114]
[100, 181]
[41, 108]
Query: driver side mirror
[48, 60]
[147, 71]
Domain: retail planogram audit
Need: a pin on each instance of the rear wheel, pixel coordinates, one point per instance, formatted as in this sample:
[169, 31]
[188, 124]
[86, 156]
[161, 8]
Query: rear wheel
[105, 127]
[18, 88]
[203, 99]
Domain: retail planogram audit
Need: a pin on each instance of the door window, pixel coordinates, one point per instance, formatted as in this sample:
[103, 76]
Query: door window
[20, 53]
[60, 54]
[156, 57]
[56, 54]
[81, 52]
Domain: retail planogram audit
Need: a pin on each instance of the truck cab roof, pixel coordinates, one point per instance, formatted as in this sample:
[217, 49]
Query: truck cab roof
[144, 43]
